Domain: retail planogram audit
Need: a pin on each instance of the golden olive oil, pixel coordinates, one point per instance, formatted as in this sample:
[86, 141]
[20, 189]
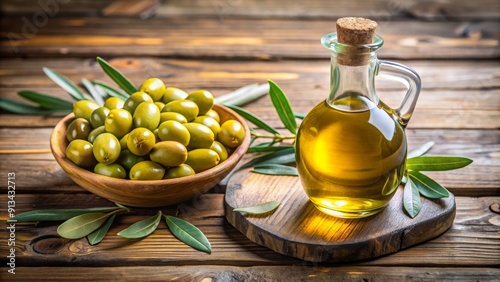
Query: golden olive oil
[350, 156]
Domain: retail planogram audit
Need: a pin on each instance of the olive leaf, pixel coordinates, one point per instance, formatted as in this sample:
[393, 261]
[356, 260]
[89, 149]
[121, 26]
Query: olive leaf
[188, 233]
[287, 158]
[275, 169]
[266, 149]
[117, 76]
[97, 236]
[428, 187]
[93, 92]
[65, 84]
[420, 150]
[57, 214]
[282, 106]
[141, 228]
[110, 90]
[259, 209]
[82, 225]
[284, 156]
[299, 115]
[253, 119]
[226, 98]
[411, 199]
[243, 95]
[436, 163]
[25, 109]
[46, 101]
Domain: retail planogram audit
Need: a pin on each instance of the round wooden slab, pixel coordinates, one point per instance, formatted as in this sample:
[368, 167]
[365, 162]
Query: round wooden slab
[296, 228]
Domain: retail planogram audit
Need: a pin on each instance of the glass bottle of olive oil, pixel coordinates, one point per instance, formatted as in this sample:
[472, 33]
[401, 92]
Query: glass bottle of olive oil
[351, 148]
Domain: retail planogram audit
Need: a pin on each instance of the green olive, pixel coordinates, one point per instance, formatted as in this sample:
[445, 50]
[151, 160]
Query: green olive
[123, 141]
[114, 103]
[160, 105]
[164, 116]
[147, 170]
[168, 153]
[118, 122]
[213, 114]
[106, 148]
[187, 108]
[84, 108]
[203, 98]
[127, 159]
[202, 159]
[231, 133]
[172, 94]
[111, 170]
[179, 171]
[79, 128]
[94, 133]
[172, 130]
[220, 150]
[135, 99]
[157, 138]
[208, 122]
[140, 141]
[147, 115]
[80, 152]
[98, 116]
[200, 136]
[154, 87]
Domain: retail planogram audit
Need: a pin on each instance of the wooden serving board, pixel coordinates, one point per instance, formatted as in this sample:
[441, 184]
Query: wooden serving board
[296, 228]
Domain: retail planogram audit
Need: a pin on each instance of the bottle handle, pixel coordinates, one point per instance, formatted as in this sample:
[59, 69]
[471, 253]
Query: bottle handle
[410, 79]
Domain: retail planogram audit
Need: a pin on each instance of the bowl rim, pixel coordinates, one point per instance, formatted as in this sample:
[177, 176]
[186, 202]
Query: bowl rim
[59, 131]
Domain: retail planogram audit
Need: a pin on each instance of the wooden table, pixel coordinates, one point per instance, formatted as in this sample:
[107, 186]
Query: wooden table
[221, 45]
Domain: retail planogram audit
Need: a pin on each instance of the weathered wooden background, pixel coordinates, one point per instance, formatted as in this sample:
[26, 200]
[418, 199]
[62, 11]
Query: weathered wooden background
[221, 45]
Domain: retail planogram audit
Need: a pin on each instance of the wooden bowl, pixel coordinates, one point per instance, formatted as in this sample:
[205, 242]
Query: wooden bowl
[147, 193]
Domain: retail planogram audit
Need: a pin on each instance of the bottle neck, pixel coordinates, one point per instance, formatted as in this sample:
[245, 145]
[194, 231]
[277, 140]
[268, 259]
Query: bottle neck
[352, 88]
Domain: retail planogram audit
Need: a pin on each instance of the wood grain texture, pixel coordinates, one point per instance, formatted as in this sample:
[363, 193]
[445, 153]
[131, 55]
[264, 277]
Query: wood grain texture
[313, 9]
[377, 9]
[472, 241]
[254, 273]
[237, 38]
[298, 229]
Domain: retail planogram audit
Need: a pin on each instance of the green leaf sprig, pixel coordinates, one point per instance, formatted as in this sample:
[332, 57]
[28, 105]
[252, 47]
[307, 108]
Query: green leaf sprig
[263, 208]
[94, 224]
[117, 76]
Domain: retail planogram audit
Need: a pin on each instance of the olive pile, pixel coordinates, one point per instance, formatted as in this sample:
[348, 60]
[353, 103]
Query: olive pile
[157, 133]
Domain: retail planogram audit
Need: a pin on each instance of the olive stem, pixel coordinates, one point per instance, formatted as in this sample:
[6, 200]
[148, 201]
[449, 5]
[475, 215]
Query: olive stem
[276, 137]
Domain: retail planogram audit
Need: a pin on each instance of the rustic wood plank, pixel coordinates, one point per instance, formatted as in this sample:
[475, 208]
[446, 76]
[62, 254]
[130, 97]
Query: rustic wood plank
[142, 9]
[223, 9]
[378, 9]
[237, 38]
[55, 8]
[254, 273]
[471, 242]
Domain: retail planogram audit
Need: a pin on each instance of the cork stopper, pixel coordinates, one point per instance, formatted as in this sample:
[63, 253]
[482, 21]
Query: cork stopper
[355, 31]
